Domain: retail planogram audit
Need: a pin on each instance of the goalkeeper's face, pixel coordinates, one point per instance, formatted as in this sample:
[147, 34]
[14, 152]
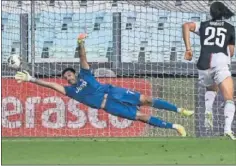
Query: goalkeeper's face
[70, 77]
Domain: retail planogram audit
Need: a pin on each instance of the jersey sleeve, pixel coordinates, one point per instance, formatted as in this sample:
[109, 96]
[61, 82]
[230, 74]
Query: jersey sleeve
[85, 72]
[232, 37]
[87, 75]
[197, 28]
[68, 90]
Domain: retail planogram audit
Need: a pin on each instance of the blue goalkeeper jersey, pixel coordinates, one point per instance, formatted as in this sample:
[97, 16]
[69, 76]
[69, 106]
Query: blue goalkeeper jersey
[87, 90]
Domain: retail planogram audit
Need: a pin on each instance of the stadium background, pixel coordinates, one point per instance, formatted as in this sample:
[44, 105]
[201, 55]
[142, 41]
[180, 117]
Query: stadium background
[135, 44]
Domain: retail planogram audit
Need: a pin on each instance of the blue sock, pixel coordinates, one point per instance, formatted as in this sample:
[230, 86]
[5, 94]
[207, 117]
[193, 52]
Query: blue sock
[162, 104]
[154, 121]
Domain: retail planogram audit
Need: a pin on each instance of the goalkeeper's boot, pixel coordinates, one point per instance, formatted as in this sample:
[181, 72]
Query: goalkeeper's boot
[230, 134]
[208, 119]
[185, 112]
[181, 130]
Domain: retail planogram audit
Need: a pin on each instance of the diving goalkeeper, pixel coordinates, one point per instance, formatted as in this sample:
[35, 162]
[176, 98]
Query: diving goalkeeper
[117, 101]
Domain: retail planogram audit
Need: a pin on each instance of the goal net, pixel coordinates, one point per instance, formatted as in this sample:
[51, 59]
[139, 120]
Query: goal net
[133, 44]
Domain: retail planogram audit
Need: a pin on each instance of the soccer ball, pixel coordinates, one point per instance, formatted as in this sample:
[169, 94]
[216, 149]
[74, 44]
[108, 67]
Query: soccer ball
[14, 61]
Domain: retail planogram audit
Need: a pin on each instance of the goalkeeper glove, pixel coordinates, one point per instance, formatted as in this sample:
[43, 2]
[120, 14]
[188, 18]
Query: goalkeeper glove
[24, 76]
[81, 38]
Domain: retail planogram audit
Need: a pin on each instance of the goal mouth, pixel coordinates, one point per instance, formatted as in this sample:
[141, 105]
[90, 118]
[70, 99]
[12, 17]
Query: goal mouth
[132, 44]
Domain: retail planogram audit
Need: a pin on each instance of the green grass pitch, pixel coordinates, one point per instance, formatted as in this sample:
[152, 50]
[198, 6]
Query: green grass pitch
[118, 151]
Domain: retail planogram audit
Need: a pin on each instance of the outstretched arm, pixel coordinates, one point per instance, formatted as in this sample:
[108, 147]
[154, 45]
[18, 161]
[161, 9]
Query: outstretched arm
[82, 54]
[25, 76]
[187, 28]
[52, 85]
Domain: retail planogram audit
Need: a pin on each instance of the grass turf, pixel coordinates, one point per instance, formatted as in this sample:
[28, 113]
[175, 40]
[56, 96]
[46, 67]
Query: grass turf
[118, 151]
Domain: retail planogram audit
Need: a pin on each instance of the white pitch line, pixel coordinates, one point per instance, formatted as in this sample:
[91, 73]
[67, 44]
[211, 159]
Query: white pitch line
[103, 139]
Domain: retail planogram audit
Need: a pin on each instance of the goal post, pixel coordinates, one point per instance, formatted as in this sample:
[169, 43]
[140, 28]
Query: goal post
[133, 44]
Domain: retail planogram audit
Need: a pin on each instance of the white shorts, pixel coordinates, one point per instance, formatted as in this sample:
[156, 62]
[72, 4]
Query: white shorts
[215, 75]
[218, 72]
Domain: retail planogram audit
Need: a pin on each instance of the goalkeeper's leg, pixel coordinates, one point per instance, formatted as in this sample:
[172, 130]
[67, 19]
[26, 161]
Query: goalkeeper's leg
[210, 96]
[128, 111]
[162, 104]
[154, 121]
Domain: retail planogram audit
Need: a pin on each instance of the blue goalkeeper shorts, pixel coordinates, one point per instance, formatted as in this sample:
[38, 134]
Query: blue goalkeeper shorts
[123, 103]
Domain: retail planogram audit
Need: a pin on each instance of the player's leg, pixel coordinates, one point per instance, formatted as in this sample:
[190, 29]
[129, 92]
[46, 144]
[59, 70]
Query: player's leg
[205, 79]
[162, 104]
[210, 95]
[227, 89]
[224, 80]
[157, 122]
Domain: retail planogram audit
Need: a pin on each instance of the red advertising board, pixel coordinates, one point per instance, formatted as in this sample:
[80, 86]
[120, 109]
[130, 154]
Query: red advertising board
[29, 110]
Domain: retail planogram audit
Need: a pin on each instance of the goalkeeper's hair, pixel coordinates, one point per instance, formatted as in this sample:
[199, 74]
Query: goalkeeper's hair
[219, 11]
[68, 69]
